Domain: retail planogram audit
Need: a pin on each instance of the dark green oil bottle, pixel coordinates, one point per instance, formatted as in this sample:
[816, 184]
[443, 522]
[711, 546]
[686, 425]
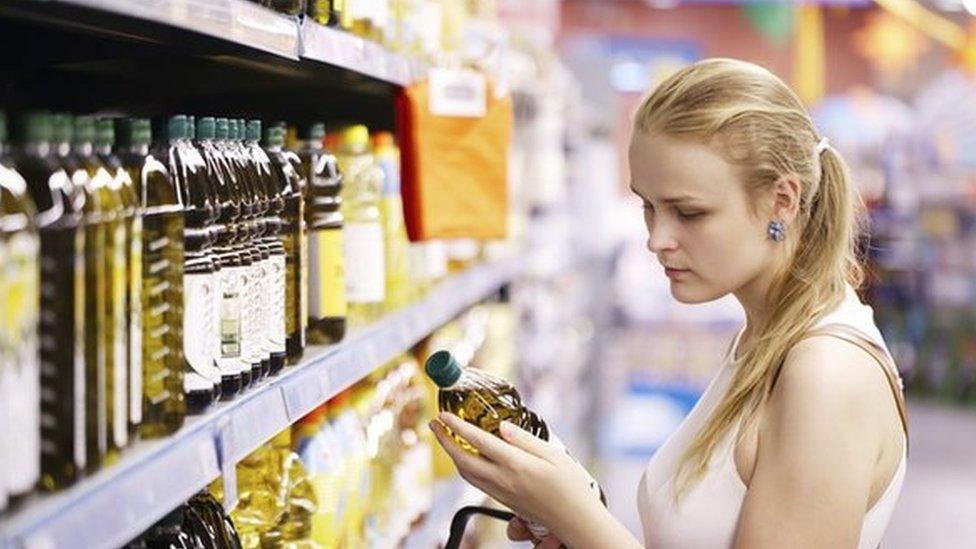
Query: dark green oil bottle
[61, 295]
[161, 292]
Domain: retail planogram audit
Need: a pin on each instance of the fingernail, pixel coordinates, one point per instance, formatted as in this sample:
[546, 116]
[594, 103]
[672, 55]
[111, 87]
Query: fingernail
[506, 429]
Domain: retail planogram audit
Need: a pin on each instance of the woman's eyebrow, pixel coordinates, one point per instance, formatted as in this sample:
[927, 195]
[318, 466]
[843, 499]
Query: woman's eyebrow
[669, 200]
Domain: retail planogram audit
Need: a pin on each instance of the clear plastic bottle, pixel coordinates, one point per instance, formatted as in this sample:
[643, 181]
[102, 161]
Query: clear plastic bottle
[201, 377]
[293, 236]
[395, 241]
[274, 296]
[323, 214]
[130, 268]
[227, 347]
[161, 288]
[55, 342]
[363, 230]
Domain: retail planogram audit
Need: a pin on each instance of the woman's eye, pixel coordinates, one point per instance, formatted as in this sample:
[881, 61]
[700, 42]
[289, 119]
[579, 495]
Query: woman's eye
[647, 207]
[689, 215]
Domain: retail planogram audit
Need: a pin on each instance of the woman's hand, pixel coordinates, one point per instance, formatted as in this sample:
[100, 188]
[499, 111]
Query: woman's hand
[518, 530]
[537, 480]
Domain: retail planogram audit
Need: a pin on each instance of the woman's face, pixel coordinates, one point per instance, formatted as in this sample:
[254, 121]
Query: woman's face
[699, 224]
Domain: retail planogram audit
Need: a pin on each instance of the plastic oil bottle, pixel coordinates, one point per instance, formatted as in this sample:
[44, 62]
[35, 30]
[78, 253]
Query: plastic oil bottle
[63, 455]
[187, 169]
[227, 350]
[262, 246]
[293, 232]
[396, 244]
[131, 269]
[20, 397]
[51, 337]
[161, 291]
[323, 214]
[363, 230]
[274, 295]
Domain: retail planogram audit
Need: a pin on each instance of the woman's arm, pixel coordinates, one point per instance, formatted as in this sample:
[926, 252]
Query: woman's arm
[537, 480]
[820, 438]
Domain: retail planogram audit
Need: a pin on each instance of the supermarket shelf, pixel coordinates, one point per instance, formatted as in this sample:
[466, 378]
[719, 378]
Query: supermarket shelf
[118, 503]
[353, 53]
[238, 21]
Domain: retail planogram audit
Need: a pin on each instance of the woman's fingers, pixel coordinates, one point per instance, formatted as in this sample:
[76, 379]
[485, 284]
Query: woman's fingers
[524, 440]
[474, 469]
[486, 443]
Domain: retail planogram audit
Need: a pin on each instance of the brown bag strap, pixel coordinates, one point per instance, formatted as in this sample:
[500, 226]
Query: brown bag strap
[857, 337]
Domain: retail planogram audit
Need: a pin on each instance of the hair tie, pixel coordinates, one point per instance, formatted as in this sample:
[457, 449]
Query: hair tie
[822, 145]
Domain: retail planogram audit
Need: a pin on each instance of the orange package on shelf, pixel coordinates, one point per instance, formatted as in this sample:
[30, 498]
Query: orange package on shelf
[454, 168]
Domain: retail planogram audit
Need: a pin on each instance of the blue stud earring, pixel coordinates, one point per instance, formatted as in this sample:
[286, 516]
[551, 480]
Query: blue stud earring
[776, 231]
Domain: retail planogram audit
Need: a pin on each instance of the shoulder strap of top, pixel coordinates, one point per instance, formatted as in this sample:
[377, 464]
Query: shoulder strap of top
[857, 337]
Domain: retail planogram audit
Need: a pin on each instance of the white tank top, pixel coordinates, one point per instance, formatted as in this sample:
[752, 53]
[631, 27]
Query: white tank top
[707, 515]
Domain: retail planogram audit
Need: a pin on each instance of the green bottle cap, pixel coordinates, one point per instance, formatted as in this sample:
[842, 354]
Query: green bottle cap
[3, 126]
[242, 129]
[124, 130]
[62, 127]
[254, 130]
[232, 129]
[207, 128]
[443, 369]
[311, 132]
[223, 128]
[191, 126]
[141, 131]
[84, 129]
[34, 127]
[176, 129]
[104, 132]
[278, 136]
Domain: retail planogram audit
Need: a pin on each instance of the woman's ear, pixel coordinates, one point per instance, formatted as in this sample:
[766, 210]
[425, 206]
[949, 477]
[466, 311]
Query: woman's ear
[786, 193]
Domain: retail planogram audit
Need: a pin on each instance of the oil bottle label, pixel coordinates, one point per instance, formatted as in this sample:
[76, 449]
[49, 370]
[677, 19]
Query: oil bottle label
[23, 376]
[261, 303]
[254, 332]
[327, 294]
[197, 289]
[292, 281]
[365, 271]
[78, 387]
[135, 322]
[276, 303]
[231, 283]
[120, 386]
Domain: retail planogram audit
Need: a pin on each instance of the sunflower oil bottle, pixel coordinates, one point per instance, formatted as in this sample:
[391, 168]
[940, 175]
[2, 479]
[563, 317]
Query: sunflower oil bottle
[323, 215]
[321, 452]
[42, 310]
[396, 245]
[363, 231]
[275, 267]
[63, 455]
[231, 277]
[129, 266]
[188, 170]
[293, 236]
[160, 293]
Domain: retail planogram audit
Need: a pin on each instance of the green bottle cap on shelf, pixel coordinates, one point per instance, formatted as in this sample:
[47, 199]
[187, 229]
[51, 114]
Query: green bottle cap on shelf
[241, 129]
[233, 130]
[124, 130]
[254, 130]
[142, 132]
[311, 132]
[176, 129]
[104, 132]
[223, 128]
[443, 369]
[62, 127]
[35, 126]
[191, 126]
[207, 128]
[84, 129]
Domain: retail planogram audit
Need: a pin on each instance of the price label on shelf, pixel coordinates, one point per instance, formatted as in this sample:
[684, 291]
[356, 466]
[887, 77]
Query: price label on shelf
[458, 92]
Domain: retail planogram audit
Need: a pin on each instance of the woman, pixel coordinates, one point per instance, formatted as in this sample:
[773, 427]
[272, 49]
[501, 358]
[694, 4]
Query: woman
[798, 442]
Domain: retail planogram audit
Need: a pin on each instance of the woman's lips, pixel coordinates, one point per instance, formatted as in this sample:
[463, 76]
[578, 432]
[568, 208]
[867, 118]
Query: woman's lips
[675, 274]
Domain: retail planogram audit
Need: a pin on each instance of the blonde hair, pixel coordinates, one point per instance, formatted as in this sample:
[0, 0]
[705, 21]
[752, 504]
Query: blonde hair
[760, 126]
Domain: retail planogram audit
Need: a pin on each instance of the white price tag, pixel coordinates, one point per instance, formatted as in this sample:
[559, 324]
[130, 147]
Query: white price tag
[460, 93]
